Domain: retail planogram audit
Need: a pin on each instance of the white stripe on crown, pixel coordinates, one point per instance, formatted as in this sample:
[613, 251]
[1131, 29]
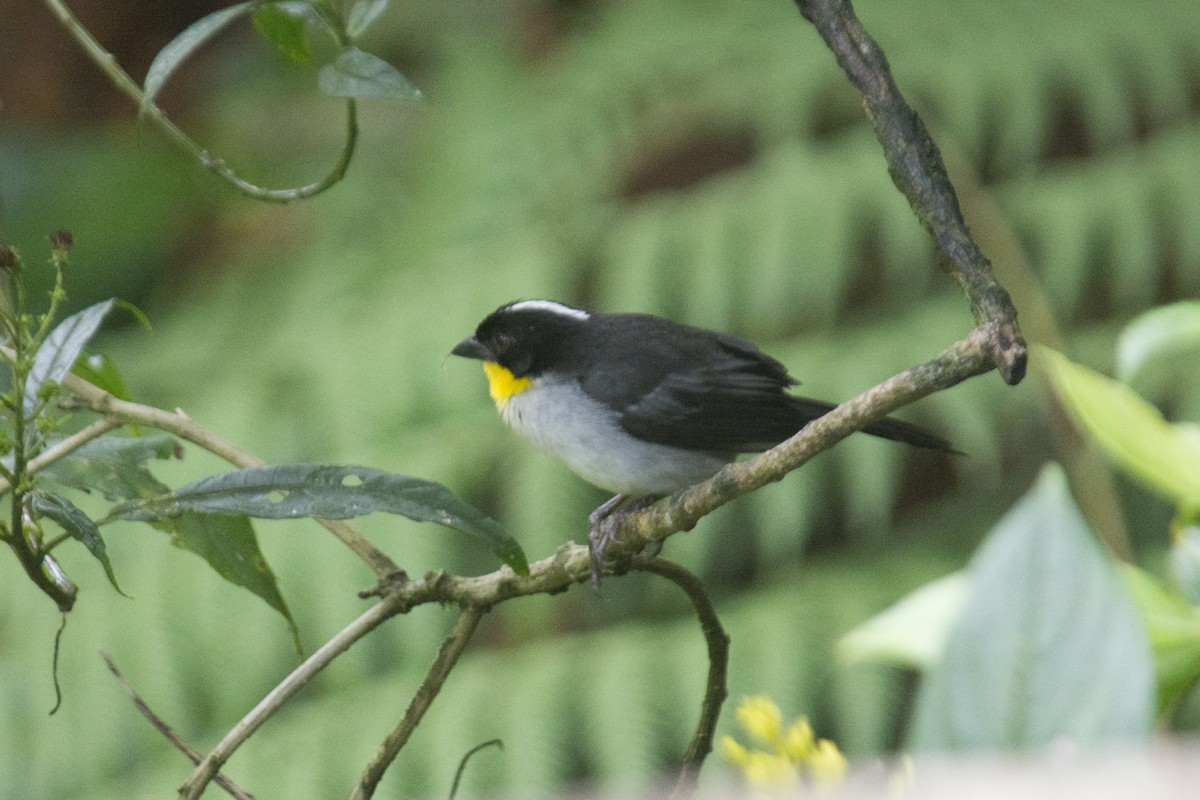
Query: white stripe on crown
[548, 305]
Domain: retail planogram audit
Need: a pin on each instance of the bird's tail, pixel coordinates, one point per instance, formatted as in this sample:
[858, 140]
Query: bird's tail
[886, 428]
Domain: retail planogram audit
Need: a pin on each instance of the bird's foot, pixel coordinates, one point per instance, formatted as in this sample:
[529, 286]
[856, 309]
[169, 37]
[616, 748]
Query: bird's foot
[604, 523]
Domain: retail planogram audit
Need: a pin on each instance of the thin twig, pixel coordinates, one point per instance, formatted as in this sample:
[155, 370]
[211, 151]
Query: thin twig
[462, 765]
[385, 609]
[447, 657]
[107, 64]
[62, 627]
[67, 446]
[167, 731]
[716, 689]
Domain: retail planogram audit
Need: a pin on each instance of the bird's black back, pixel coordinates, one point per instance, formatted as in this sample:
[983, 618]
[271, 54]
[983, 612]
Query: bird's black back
[697, 389]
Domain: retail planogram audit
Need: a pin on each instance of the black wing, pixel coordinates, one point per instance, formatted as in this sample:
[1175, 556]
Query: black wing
[692, 388]
[701, 390]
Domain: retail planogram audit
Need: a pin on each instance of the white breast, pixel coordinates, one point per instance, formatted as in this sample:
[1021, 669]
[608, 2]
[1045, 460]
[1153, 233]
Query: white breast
[558, 417]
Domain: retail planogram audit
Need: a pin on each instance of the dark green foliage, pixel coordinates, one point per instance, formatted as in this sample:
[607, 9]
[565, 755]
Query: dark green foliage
[77, 524]
[291, 491]
[115, 466]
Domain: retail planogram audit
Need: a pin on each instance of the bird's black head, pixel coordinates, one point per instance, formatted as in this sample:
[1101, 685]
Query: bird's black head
[525, 337]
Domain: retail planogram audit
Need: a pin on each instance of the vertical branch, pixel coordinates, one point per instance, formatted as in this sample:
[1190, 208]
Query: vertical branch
[916, 167]
[715, 690]
[446, 658]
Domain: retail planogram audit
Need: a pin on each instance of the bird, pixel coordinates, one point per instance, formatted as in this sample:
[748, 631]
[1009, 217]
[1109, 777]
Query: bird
[639, 405]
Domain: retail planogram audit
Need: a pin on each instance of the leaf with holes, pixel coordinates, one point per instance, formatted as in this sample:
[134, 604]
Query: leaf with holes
[77, 524]
[101, 371]
[330, 492]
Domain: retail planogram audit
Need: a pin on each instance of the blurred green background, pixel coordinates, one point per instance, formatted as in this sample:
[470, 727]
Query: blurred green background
[698, 159]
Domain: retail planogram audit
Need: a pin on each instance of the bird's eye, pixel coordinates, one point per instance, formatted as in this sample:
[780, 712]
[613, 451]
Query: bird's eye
[501, 342]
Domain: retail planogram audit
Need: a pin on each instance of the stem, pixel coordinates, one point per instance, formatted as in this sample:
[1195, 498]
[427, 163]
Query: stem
[45, 573]
[167, 731]
[65, 448]
[716, 689]
[275, 699]
[107, 64]
[446, 658]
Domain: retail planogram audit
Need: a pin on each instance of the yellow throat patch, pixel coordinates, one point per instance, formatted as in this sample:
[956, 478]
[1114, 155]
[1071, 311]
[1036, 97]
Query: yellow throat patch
[502, 384]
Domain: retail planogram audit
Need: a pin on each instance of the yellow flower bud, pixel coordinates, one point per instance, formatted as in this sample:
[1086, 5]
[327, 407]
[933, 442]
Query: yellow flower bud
[733, 752]
[761, 719]
[798, 740]
[827, 763]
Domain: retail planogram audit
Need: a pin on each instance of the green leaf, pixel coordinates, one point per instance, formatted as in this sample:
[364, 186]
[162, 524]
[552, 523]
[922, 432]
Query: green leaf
[61, 349]
[101, 371]
[178, 49]
[1049, 644]
[1174, 629]
[115, 466]
[912, 632]
[286, 26]
[228, 543]
[77, 524]
[330, 492]
[362, 14]
[1157, 334]
[1165, 457]
[356, 73]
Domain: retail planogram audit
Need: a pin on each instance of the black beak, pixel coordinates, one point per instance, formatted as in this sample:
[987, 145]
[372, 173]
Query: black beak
[471, 348]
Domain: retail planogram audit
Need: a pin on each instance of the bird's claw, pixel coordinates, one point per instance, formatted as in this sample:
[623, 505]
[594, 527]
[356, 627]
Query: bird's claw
[604, 523]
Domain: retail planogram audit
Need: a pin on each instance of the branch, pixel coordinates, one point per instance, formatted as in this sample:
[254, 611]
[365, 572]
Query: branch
[571, 563]
[208, 767]
[107, 64]
[447, 657]
[166, 730]
[66, 447]
[716, 689]
[916, 167]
